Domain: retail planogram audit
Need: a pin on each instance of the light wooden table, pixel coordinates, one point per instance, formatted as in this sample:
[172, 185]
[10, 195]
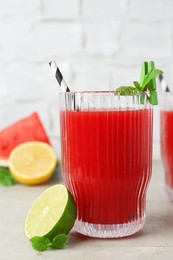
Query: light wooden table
[154, 242]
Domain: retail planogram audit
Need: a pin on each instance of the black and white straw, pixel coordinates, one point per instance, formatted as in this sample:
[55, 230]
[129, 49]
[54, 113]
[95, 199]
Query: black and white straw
[59, 77]
[164, 86]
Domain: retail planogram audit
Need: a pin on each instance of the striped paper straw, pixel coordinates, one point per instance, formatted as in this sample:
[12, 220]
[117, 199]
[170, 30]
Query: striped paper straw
[59, 77]
[164, 86]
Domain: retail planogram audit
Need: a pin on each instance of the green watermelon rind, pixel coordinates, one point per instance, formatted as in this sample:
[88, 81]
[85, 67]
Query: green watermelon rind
[3, 163]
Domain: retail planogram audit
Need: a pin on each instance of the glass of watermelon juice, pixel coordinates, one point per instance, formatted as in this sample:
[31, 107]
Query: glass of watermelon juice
[106, 147]
[166, 140]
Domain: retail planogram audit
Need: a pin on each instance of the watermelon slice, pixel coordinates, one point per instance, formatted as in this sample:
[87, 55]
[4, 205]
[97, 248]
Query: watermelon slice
[25, 130]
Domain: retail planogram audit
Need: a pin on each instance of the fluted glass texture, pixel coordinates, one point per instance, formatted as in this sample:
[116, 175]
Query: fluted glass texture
[166, 140]
[106, 147]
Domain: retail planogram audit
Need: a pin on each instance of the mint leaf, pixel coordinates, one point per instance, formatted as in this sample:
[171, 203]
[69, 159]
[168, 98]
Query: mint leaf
[126, 91]
[152, 84]
[59, 241]
[43, 243]
[149, 76]
[6, 178]
[146, 87]
[137, 85]
[40, 243]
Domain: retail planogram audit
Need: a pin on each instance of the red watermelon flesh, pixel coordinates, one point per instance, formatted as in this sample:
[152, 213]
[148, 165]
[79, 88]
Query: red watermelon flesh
[25, 130]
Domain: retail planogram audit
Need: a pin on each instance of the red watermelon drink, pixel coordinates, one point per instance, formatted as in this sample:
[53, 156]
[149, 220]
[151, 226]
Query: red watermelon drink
[106, 144]
[166, 124]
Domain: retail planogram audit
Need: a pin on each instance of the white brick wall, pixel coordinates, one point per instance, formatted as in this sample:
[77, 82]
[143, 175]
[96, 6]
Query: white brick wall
[61, 9]
[98, 44]
[15, 38]
[101, 37]
[91, 74]
[19, 7]
[104, 9]
[153, 10]
[147, 40]
[57, 39]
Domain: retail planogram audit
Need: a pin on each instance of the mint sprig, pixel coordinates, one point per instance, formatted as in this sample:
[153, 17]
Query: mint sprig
[126, 90]
[43, 243]
[152, 74]
[146, 86]
[40, 243]
[6, 178]
[59, 241]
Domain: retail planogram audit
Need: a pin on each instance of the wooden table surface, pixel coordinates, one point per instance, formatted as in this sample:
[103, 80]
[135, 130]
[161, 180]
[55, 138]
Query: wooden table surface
[154, 241]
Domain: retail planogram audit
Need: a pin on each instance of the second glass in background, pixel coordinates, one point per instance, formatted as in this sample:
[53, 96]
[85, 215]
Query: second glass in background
[166, 140]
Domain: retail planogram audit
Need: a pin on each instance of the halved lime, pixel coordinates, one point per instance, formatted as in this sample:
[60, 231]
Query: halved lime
[53, 213]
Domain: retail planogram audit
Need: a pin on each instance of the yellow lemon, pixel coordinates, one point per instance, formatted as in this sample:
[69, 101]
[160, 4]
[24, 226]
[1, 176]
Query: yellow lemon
[32, 162]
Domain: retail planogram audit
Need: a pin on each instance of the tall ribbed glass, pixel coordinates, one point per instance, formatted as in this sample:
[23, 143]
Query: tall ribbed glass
[106, 147]
[166, 140]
